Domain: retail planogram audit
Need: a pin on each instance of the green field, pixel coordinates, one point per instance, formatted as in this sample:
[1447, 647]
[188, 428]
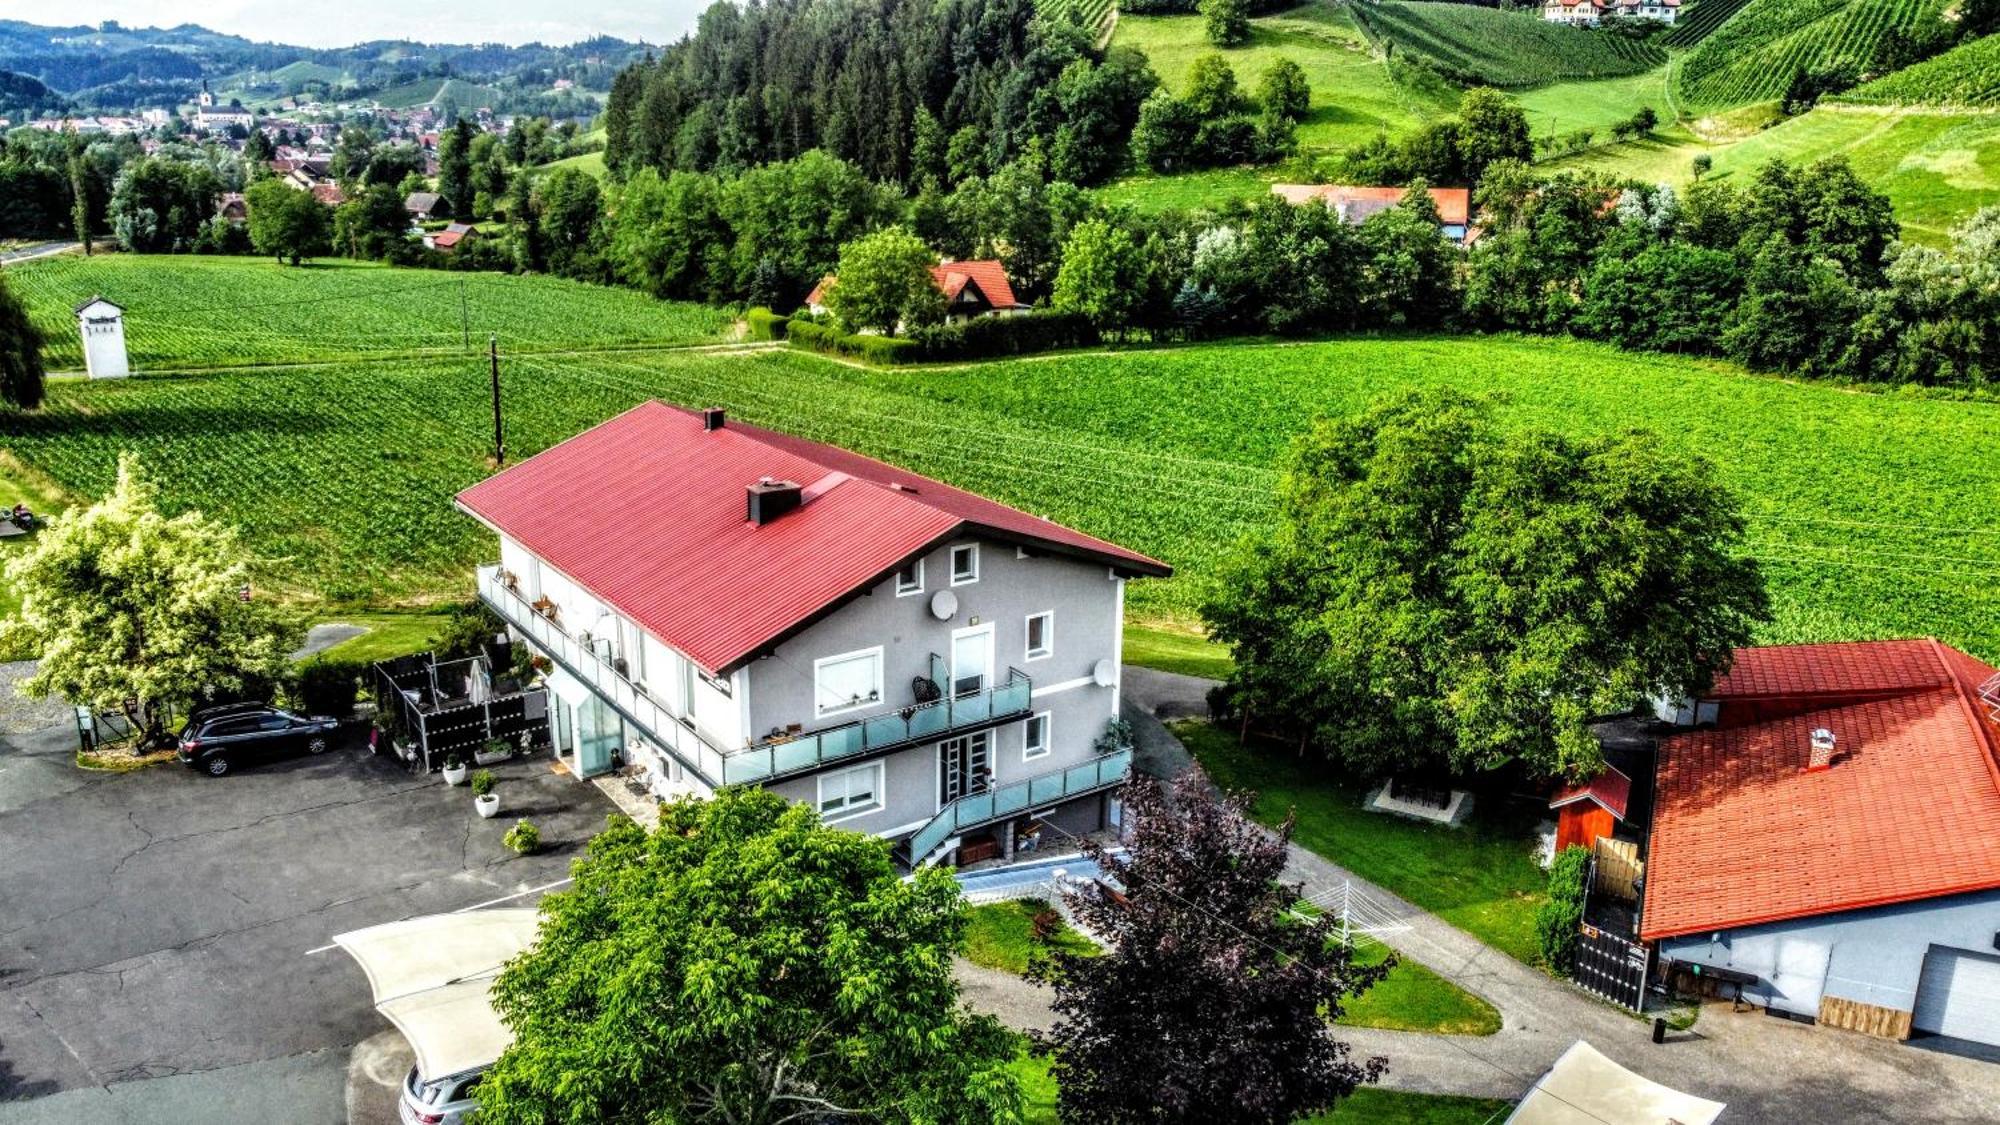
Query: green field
[1355, 95]
[1698, 21]
[1966, 75]
[468, 96]
[196, 311]
[1753, 54]
[1568, 106]
[1872, 512]
[1936, 166]
[1491, 47]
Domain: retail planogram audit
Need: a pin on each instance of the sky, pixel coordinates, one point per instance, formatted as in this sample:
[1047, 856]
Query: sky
[337, 23]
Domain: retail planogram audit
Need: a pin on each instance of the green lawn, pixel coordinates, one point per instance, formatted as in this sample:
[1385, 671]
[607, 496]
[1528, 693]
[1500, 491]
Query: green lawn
[1481, 877]
[1368, 1106]
[20, 484]
[1413, 998]
[1001, 935]
[1596, 105]
[1171, 648]
[1936, 166]
[389, 634]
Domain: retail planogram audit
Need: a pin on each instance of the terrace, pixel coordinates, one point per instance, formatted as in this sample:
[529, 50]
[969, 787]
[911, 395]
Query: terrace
[786, 753]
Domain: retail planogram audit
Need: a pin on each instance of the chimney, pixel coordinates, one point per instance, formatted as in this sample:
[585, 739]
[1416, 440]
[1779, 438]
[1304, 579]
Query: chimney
[1822, 751]
[768, 499]
[711, 418]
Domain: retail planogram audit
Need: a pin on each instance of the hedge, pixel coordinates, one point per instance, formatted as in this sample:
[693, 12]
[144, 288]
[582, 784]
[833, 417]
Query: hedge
[991, 337]
[328, 686]
[765, 324]
[869, 349]
[1558, 919]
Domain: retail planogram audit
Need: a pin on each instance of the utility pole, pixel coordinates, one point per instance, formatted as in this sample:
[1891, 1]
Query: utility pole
[493, 355]
[464, 317]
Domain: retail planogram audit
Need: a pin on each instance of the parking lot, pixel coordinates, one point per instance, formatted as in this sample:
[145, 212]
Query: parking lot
[166, 928]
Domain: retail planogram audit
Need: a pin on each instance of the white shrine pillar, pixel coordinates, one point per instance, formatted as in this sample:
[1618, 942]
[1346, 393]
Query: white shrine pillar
[102, 325]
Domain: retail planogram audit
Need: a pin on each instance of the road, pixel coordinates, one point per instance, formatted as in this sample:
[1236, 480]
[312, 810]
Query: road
[37, 250]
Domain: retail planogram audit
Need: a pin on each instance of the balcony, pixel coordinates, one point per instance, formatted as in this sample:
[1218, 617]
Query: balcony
[918, 723]
[579, 659]
[774, 759]
[1016, 797]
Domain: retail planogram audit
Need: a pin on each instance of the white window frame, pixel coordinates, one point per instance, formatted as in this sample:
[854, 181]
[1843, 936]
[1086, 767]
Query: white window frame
[974, 549]
[1029, 652]
[820, 708]
[903, 591]
[847, 809]
[1028, 752]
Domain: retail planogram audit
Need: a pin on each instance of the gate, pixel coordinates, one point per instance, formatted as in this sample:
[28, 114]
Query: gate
[1611, 967]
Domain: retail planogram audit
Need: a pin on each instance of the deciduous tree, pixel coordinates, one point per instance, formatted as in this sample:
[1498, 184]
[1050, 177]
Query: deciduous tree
[1101, 276]
[286, 223]
[1212, 1002]
[744, 964]
[20, 353]
[885, 282]
[131, 609]
[1283, 90]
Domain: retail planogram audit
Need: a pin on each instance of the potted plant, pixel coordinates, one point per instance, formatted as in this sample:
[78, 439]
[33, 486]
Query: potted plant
[484, 801]
[454, 770]
[524, 837]
[494, 750]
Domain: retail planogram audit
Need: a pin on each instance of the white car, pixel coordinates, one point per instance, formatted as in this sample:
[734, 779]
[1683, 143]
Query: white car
[440, 1101]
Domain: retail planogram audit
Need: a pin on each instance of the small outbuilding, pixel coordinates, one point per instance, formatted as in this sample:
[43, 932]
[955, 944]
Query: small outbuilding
[102, 325]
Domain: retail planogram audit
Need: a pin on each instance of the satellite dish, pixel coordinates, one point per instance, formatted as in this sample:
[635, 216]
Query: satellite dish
[1104, 673]
[944, 603]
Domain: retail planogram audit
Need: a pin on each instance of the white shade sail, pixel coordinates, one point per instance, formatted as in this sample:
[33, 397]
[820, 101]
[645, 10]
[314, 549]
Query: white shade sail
[430, 977]
[1586, 1088]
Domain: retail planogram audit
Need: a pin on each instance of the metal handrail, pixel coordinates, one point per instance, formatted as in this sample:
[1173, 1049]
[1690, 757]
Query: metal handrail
[1013, 797]
[701, 757]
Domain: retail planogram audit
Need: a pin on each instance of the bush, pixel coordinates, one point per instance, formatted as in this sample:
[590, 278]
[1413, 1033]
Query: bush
[328, 686]
[482, 783]
[765, 324]
[870, 349]
[523, 838]
[990, 337]
[1557, 921]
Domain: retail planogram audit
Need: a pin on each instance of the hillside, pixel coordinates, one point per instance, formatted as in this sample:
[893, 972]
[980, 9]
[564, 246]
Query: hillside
[435, 91]
[346, 469]
[1475, 45]
[1753, 55]
[1966, 75]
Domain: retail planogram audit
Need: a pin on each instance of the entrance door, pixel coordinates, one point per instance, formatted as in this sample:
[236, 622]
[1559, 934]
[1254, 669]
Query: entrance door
[971, 660]
[599, 733]
[964, 766]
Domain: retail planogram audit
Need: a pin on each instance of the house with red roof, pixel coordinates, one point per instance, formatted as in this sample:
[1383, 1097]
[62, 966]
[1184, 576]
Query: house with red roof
[721, 604]
[1355, 204]
[1831, 837]
[970, 288]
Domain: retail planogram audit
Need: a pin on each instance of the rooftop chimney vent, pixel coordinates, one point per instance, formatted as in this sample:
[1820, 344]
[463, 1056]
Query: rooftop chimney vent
[711, 418]
[1822, 750]
[768, 499]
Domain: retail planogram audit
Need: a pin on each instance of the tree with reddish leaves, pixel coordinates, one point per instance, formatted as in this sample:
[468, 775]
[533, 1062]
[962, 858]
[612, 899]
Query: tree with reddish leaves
[1212, 1002]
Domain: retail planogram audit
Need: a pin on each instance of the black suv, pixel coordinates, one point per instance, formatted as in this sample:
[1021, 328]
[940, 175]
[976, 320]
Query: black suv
[218, 739]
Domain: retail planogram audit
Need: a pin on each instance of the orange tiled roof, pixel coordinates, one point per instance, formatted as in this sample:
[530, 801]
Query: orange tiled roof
[1453, 204]
[1910, 809]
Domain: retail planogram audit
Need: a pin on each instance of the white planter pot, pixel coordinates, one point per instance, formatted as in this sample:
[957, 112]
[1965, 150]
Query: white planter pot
[486, 759]
[488, 806]
[456, 775]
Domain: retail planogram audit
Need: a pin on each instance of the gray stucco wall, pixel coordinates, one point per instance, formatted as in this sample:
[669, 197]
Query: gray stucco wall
[1871, 956]
[1086, 603]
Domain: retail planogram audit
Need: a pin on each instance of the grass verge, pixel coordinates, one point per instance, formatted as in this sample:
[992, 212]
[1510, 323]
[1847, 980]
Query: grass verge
[1170, 648]
[1413, 998]
[1001, 935]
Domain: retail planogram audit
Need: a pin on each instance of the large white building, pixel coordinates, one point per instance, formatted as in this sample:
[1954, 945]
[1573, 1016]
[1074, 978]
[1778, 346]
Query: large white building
[1589, 13]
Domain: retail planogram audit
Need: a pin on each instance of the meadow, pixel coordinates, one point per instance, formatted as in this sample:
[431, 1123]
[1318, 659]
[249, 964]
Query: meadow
[195, 311]
[1872, 513]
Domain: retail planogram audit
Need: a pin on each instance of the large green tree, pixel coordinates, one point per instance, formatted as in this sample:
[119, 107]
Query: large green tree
[286, 223]
[455, 169]
[1445, 591]
[744, 964]
[131, 609]
[20, 353]
[1102, 276]
[885, 282]
[1213, 1002]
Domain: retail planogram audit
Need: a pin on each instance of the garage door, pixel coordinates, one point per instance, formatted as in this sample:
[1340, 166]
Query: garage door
[1959, 995]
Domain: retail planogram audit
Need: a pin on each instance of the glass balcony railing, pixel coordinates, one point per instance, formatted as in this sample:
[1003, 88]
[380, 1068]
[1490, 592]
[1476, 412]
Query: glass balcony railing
[579, 659]
[776, 758]
[917, 723]
[1016, 797]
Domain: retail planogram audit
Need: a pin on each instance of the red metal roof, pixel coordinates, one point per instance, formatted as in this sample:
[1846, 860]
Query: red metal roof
[646, 512]
[1910, 809]
[1611, 790]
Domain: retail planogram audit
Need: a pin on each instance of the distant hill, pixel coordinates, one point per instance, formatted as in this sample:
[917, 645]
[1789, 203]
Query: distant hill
[23, 96]
[1753, 54]
[1966, 75]
[110, 67]
[1479, 46]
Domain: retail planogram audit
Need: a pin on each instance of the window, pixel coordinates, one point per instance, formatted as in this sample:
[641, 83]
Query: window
[1041, 635]
[1035, 742]
[850, 792]
[965, 564]
[910, 579]
[847, 681]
